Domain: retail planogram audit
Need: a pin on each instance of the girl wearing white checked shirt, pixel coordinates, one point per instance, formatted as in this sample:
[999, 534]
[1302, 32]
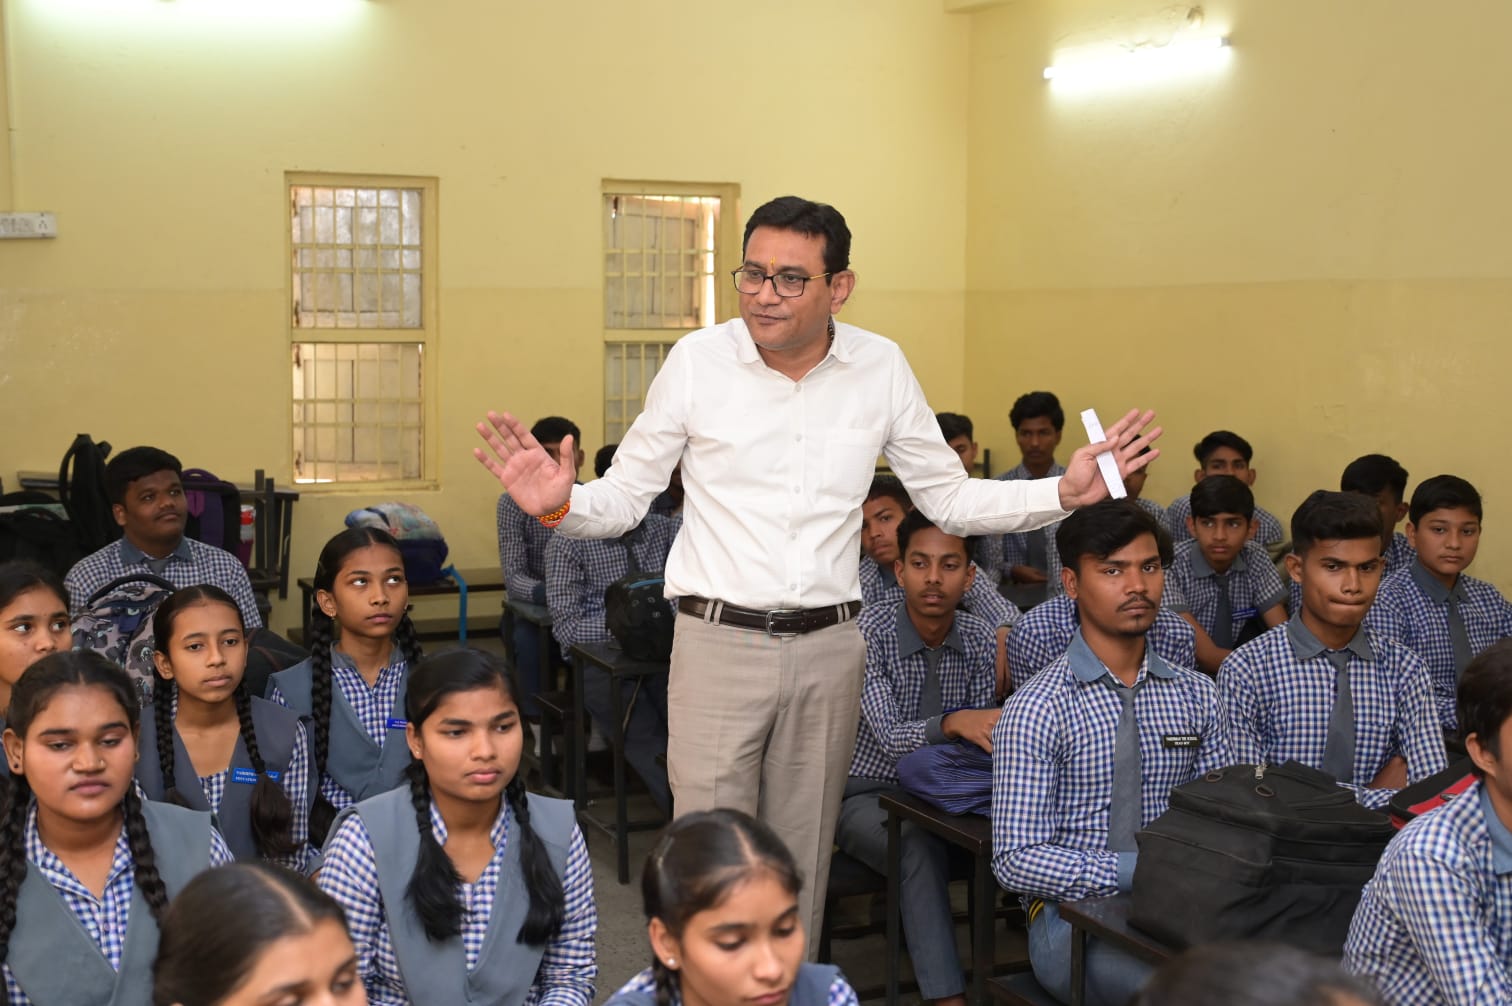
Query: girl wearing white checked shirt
[463, 887]
[211, 746]
[81, 855]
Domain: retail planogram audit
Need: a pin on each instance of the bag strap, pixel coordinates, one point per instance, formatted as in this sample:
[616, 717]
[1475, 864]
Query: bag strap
[627, 541]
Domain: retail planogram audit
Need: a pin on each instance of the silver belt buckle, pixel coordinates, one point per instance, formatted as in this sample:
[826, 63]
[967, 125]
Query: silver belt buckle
[779, 613]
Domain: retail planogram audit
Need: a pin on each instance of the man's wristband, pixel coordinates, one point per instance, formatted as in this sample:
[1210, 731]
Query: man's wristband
[555, 517]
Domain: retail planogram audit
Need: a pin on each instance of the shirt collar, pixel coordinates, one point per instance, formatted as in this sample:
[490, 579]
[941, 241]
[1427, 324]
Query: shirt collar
[1201, 567]
[496, 834]
[1436, 591]
[841, 346]
[1305, 645]
[909, 641]
[47, 860]
[1087, 667]
[1501, 838]
[130, 554]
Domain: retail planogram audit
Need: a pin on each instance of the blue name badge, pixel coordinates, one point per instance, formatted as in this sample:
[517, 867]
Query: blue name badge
[249, 776]
[395, 724]
[1246, 613]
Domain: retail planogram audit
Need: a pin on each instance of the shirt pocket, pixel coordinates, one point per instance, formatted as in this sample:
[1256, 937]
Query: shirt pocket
[849, 462]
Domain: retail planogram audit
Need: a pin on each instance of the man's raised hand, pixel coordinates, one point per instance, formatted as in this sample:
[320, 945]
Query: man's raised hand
[538, 483]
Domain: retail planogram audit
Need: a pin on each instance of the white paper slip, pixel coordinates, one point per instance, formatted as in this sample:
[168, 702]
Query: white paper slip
[1105, 460]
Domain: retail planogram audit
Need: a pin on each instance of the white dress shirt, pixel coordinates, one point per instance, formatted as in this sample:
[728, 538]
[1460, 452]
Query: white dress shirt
[775, 470]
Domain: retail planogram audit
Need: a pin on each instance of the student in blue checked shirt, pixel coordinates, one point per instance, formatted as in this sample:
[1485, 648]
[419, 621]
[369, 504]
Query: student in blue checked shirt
[887, 504]
[1087, 752]
[462, 887]
[1223, 453]
[1326, 689]
[1445, 615]
[1038, 422]
[1222, 583]
[1434, 927]
[930, 679]
[1046, 630]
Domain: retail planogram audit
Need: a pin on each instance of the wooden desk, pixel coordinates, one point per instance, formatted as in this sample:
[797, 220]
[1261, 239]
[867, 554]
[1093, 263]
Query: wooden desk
[484, 579]
[1108, 920]
[612, 659]
[971, 832]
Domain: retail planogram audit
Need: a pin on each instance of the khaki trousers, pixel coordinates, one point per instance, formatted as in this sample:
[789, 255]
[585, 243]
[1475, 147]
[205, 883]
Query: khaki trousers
[767, 725]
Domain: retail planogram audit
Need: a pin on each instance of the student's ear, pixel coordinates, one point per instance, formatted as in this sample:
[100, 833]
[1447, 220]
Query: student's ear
[1401, 511]
[1191, 524]
[842, 284]
[164, 668]
[1294, 567]
[664, 945]
[416, 745]
[1068, 582]
[119, 513]
[1478, 754]
[1249, 477]
[1198, 476]
[1411, 530]
[13, 751]
[970, 574]
[898, 570]
[1254, 529]
[327, 602]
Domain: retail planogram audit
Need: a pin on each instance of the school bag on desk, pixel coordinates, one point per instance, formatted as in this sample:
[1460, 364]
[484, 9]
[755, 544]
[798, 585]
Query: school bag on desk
[420, 540]
[1277, 852]
[637, 612]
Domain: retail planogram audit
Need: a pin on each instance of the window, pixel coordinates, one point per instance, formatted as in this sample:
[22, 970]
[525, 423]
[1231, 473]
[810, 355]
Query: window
[362, 328]
[666, 246]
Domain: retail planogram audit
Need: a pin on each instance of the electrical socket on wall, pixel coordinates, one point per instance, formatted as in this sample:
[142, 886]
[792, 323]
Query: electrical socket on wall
[28, 225]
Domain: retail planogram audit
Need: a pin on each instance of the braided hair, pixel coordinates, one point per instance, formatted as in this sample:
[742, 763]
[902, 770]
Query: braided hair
[700, 858]
[42, 680]
[271, 812]
[433, 883]
[323, 633]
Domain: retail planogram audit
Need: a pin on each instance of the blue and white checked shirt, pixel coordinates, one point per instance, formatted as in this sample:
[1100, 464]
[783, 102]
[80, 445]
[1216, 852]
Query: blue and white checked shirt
[568, 966]
[1434, 927]
[1052, 769]
[579, 570]
[1053, 564]
[1254, 586]
[104, 919]
[372, 706]
[897, 662]
[522, 549]
[1015, 546]
[880, 588]
[1414, 608]
[840, 992]
[191, 563]
[1047, 629]
[1278, 692]
[1270, 531]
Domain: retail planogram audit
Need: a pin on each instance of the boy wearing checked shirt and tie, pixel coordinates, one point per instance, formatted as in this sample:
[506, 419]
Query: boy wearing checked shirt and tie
[1325, 689]
[1087, 751]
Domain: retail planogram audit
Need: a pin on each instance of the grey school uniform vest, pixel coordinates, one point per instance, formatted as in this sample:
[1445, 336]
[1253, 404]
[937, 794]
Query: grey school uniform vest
[810, 988]
[435, 974]
[276, 728]
[56, 962]
[354, 759]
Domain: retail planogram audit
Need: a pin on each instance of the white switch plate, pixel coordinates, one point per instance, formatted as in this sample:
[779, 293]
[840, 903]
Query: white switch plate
[28, 225]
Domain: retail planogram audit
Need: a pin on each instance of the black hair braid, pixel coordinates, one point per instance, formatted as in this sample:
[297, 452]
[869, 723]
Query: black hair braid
[272, 814]
[547, 900]
[148, 880]
[12, 856]
[322, 813]
[433, 884]
[666, 982]
[162, 717]
[408, 642]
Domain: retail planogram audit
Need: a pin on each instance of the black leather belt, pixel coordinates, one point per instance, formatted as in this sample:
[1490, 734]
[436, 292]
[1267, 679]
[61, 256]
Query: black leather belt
[777, 622]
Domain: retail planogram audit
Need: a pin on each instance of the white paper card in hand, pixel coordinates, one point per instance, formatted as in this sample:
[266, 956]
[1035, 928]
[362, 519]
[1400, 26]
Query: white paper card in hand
[1105, 461]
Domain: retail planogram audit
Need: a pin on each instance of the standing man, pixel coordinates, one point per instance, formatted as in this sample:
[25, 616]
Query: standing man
[778, 417]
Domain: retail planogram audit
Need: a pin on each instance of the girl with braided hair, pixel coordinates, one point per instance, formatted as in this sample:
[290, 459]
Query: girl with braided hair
[721, 899]
[211, 746]
[463, 887]
[33, 623]
[86, 866]
[350, 693]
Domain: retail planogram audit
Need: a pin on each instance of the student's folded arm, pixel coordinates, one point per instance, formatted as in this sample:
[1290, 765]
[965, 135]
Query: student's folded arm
[1437, 902]
[514, 558]
[1240, 715]
[1216, 751]
[1210, 655]
[879, 707]
[1416, 733]
[1274, 615]
[564, 590]
[349, 874]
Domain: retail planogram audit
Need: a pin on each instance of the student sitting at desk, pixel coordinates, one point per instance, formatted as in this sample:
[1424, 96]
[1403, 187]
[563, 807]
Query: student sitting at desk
[147, 497]
[1223, 453]
[1086, 753]
[1038, 421]
[929, 680]
[578, 571]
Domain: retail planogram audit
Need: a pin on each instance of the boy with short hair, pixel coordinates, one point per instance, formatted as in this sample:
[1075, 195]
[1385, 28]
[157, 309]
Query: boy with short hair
[1435, 923]
[1223, 452]
[929, 680]
[1325, 688]
[1225, 583]
[960, 436]
[1434, 607]
[1088, 750]
[1038, 421]
[147, 498]
[1385, 481]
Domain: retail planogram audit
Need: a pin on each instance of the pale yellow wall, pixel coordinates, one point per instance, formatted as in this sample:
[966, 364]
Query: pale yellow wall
[1309, 246]
[160, 133]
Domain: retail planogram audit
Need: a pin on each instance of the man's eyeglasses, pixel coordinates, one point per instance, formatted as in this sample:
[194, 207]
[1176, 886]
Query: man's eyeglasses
[787, 284]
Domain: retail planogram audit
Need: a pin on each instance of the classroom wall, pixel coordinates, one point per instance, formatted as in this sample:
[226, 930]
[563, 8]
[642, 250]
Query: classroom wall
[160, 133]
[1307, 246]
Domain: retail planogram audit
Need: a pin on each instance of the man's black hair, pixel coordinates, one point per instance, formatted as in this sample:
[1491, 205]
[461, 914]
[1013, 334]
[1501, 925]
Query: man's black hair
[891, 487]
[1329, 516]
[953, 424]
[1484, 697]
[1103, 528]
[1222, 438]
[136, 463]
[912, 524]
[1374, 474]
[1443, 492]
[1218, 494]
[603, 458]
[1034, 405]
[818, 220]
[553, 429]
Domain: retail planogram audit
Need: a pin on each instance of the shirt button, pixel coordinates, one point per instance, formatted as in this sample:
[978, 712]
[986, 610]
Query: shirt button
[798, 437]
[797, 490]
[793, 536]
[792, 586]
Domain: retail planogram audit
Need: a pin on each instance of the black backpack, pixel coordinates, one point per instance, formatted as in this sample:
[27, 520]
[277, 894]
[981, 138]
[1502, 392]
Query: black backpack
[1276, 852]
[35, 531]
[81, 488]
[636, 613]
